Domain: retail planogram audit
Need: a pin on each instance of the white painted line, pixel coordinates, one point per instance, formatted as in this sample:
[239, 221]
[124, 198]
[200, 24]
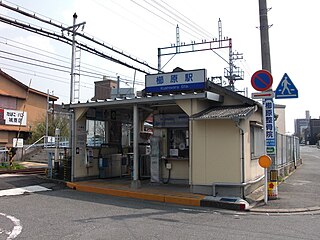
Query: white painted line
[22, 190]
[16, 229]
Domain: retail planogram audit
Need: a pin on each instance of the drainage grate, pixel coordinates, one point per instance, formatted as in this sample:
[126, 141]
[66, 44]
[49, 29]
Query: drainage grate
[228, 199]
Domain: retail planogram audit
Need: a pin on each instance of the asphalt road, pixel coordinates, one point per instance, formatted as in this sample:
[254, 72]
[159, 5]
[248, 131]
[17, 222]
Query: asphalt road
[68, 214]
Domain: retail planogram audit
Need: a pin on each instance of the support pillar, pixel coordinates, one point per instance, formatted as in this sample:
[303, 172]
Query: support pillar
[135, 183]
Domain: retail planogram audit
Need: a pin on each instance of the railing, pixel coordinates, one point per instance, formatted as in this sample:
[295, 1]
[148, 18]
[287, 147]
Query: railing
[46, 144]
[35, 143]
[288, 151]
[3, 154]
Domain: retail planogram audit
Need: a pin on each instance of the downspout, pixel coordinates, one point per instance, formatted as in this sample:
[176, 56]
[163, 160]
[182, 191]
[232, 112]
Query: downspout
[190, 146]
[237, 122]
[72, 144]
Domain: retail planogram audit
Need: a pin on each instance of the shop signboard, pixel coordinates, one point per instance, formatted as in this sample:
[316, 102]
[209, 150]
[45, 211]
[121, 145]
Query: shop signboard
[13, 117]
[175, 81]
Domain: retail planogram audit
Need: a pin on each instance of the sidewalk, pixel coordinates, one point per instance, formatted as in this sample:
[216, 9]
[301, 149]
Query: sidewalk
[300, 192]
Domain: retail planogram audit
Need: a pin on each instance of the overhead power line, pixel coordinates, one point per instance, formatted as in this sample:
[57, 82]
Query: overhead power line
[189, 21]
[91, 67]
[51, 22]
[68, 41]
[181, 21]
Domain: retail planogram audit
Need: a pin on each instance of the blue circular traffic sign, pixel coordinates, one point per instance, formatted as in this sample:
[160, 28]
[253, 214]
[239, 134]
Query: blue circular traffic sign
[261, 80]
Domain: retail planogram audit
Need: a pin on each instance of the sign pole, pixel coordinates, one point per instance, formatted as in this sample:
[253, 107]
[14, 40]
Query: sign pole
[266, 185]
[265, 152]
[265, 162]
[262, 81]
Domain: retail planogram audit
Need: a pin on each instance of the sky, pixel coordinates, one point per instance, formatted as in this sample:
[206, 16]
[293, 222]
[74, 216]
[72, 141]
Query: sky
[139, 27]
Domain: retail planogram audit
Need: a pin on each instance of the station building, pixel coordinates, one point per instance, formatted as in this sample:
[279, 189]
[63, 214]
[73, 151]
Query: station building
[203, 135]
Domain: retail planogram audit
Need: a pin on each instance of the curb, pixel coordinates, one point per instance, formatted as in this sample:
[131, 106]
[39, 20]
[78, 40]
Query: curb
[200, 201]
[139, 195]
[223, 205]
[293, 210]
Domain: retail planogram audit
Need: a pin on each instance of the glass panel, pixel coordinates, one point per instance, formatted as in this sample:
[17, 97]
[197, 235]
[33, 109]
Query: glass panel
[256, 141]
[96, 132]
[90, 132]
[178, 143]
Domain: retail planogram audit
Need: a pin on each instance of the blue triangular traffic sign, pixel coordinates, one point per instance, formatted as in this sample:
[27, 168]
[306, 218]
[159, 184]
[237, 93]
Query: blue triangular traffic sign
[286, 88]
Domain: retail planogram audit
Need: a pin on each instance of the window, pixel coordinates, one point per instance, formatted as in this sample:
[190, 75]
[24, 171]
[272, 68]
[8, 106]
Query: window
[96, 133]
[256, 141]
[178, 142]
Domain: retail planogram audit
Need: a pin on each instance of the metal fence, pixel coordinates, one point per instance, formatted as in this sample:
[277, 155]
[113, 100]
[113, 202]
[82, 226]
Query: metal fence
[288, 151]
[3, 154]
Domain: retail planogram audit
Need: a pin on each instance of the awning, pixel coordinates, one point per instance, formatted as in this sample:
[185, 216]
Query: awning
[225, 112]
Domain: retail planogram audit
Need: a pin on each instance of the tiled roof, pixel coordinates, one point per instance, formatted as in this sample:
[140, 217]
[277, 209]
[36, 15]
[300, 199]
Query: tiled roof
[225, 112]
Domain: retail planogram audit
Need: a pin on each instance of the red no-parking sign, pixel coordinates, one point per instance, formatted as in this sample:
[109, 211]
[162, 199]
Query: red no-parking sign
[261, 80]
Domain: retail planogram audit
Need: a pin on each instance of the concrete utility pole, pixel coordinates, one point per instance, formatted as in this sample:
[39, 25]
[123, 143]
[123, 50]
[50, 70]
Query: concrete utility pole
[264, 35]
[266, 65]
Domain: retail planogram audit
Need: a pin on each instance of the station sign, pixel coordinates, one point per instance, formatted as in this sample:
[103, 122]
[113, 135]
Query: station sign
[175, 81]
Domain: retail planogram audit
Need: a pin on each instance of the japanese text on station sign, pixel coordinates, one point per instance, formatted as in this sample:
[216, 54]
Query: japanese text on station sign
[176, 81]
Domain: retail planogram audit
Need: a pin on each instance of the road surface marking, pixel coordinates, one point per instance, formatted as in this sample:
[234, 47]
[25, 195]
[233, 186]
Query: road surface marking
[22, 190]
[16, 229]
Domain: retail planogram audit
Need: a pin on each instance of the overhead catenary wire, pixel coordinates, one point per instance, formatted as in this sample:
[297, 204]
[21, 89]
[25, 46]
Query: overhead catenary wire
[57, 56]
[51, 22]
[87, 48]
[53, 64]
[68, 41]
[67, 80]
[175, 17]
[159, 16]
[124, 14]
[189, 21]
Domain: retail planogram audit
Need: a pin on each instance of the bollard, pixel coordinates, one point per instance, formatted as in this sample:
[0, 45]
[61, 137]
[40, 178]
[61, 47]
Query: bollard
[273, 185]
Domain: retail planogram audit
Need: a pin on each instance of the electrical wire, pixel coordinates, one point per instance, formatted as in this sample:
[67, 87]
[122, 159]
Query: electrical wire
[86, 36]
[174, 24]
[57, 55]
[69, 41]
[176, 18]
[176, 12]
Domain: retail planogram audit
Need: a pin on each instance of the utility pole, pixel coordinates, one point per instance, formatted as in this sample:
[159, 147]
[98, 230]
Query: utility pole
[73, 30]
[264, 35]
[118, 86]
[232, 73]
[177, 39]
[47, 120]
[266, 65]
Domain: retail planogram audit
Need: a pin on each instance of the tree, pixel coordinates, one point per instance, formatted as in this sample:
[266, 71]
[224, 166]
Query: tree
[56, 121]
